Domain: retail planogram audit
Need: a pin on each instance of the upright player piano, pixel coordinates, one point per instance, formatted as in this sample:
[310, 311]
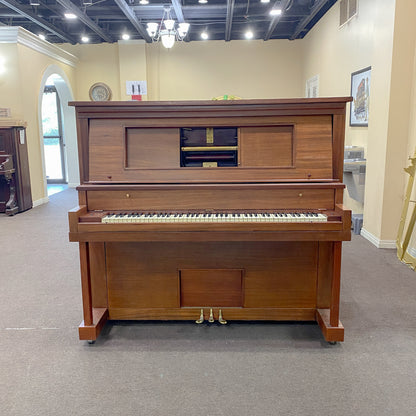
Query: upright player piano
[211, 211]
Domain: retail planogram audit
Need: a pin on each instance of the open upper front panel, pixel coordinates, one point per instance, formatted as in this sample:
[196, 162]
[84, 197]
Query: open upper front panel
[236, 145]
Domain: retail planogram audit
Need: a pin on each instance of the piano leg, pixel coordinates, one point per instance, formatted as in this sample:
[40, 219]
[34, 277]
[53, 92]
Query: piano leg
[11, 205]
[331, 333]
[328, 319]
[94, 318]
[90, 332]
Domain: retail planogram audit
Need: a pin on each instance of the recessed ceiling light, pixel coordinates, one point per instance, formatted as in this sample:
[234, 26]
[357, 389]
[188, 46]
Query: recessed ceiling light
[42, 36]
[204, 35]
[85, 39]
[203, 1]
[249, 34]
[125, 36]
[264, 1]
[275, 12]
[144, 1]
[70, 15]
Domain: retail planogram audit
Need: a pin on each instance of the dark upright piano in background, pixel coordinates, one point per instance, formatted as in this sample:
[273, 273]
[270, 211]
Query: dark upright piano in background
[211, 210]
[15, 190]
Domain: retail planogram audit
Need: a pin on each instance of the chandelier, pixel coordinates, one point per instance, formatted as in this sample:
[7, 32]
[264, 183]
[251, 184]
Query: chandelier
[167, 31]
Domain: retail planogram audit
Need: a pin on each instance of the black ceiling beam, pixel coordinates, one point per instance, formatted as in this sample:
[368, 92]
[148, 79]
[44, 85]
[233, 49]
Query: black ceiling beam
[229, 20]
[216, 11]
[128, 12]
[85, 19]
[23, 11]
[303, 23]
[276, 19]
[178, 10]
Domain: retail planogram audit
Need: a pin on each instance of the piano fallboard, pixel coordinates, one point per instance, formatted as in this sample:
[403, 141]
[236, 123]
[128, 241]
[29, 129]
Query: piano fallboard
[203, 197]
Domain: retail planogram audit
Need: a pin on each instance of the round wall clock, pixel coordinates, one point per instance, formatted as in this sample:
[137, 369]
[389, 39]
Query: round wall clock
[100, 92]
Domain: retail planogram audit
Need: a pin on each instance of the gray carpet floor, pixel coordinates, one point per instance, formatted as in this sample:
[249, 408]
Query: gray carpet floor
[180, 368]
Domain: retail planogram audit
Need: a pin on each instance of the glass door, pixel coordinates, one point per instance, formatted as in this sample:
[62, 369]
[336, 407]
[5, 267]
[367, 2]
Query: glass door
[53, 142]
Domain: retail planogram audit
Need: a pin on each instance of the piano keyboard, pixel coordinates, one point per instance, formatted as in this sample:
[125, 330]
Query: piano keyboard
[214, 218]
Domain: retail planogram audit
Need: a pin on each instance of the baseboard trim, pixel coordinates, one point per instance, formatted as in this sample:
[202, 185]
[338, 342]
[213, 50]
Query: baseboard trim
[376, 241]
[40, 201]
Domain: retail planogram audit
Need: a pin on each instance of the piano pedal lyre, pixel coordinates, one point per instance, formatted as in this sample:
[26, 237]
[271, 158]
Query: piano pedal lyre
[220, 318]
[201, 318]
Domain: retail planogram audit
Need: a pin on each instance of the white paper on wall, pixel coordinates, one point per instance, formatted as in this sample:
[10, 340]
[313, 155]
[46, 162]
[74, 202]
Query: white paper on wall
[136, 87]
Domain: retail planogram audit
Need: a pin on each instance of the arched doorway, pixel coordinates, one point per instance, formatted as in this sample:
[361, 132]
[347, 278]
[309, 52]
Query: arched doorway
[57, 131]
[53, 137]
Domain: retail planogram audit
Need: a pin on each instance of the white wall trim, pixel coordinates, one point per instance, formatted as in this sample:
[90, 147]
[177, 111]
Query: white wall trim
[15, 34]
[41, 201]
[376, 241]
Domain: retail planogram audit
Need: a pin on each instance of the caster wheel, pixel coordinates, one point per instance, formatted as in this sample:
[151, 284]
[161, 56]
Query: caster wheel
[91, 341]
[332, 342]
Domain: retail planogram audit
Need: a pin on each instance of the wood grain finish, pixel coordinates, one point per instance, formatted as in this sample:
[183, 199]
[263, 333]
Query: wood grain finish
[144, 275]
[336, 284]
[325, 258]
[149, 148]
[86, 283]
[331, 333]
[212, 287]
[277, 154]
[98, 273]
[90, 332]
[172, 199]
[289, 158]
[133, 278]
[268, 146]
[238, 314]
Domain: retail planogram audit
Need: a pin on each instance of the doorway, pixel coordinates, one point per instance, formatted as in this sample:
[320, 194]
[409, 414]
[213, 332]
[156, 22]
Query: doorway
[57, 132]
[53, 139]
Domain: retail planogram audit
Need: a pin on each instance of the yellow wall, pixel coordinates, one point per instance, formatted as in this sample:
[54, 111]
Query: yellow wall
[97, 63]
[203, 70]
[400, 113]
[193, 70]
[19, 91]
[132, 64]
[10, 87]
[334, 53]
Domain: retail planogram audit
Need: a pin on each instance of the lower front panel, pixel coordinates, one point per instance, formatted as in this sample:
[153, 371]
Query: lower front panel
[247, 280]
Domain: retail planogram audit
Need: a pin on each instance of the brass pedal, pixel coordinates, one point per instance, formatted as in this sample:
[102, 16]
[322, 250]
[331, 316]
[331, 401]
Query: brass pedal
[211, 316]
[220, 318]
[201, 318]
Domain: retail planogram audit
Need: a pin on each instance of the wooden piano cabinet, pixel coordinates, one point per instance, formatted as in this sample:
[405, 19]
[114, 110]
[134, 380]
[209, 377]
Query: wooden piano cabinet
[15, 190]
[174, 281]
[211, 157]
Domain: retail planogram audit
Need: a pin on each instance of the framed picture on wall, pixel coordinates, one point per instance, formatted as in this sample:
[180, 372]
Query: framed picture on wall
[360, 92]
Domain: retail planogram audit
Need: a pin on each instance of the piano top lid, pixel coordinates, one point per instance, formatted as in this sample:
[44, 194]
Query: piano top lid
[226, 103]
[211, 108]
[9, 123]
